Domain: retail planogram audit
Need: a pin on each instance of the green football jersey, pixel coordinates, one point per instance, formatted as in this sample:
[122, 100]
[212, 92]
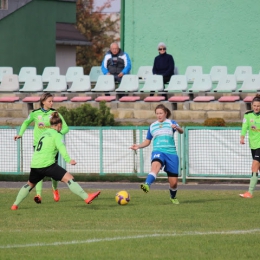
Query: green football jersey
[251, 123]
[50, 142]
[41, 119]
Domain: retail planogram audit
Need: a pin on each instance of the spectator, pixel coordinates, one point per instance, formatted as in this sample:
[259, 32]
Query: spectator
[116, 62]
[163, 63]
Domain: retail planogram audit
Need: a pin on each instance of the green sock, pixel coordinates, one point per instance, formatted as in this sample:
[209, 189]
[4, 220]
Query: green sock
[38, 188]
[76, 188]
[22, 194]
[54, 184]
[253, 182]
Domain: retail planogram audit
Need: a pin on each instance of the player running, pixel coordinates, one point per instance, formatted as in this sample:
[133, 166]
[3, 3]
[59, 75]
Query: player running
[251, 123]
[41, 118]
[164, 152]
[43, 164]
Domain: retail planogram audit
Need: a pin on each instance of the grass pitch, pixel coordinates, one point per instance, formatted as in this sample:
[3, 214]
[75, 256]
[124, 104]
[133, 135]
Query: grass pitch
[206, 225]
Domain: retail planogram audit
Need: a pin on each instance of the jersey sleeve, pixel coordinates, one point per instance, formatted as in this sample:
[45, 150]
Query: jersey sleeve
[149, 135]
[65, 128]
[26, 123]
[62, 148]
[245, 125]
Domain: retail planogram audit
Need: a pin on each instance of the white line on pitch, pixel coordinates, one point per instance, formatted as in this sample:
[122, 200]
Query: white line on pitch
[96, 240]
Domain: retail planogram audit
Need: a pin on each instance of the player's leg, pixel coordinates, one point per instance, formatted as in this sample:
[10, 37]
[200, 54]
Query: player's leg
[34, 177]
[172, 170]
[58, 173]
[56, 195]
[157, 163]
[254, 177]
[38, 188]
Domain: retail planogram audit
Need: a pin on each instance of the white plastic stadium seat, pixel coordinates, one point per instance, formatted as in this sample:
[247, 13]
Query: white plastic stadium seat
[193, 71]
[227, 83]
[9, 83]
[201, 83]
[56, 84]
[217, 72]
[144, 72]
[153, 83]
[242, 72]
[81, 83]
[73, 73]
[129, 83]
[178, 83]
[251, 84]
[49, 72]
[26, 72]
[33, 84]
[5, 71]
[94, 73]
[105, 83]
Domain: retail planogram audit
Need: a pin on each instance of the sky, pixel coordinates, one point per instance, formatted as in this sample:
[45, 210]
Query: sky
[115, 6]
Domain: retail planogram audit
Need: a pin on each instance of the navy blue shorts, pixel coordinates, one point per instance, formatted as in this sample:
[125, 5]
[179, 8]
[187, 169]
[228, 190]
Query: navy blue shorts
[169, 162]
[54, 171]
[256, 154]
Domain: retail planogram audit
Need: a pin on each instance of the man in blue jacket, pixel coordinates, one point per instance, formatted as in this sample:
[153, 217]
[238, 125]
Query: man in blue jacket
[116, 62]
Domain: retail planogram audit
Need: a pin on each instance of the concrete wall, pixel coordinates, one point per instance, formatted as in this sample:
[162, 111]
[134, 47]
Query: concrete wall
[201, 32]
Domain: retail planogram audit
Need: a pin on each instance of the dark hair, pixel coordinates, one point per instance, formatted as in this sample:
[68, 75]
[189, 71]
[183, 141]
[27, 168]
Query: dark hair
[165, 109]
[55, 118]
[44, 97]
[256, 98]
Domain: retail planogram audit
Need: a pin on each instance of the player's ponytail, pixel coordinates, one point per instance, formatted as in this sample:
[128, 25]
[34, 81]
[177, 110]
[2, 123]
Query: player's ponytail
[165, 109]
[55, 118]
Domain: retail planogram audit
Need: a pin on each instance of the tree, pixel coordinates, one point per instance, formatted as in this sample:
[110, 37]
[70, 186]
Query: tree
[100, 29]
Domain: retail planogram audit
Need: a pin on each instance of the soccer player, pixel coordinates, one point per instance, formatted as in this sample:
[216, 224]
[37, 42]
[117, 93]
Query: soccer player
[43, 163]
[41, 119]
[251, 123]
[164, 151]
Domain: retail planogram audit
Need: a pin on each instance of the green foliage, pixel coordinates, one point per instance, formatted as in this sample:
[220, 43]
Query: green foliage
[100, 29]
[214, 122]
[86, 115]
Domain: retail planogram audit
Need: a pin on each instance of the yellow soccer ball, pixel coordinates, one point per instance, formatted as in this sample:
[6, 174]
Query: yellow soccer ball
[122, 197]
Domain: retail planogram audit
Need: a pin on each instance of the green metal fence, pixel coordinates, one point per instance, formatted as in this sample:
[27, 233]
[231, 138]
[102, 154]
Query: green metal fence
[204, 152]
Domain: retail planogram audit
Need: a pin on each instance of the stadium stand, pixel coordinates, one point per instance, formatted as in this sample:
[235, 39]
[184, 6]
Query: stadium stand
[129, 99]
[31, 99]
[32, 83]
[204, 98]
[217, 72]
[105, 98]
[193, 71]
[154, 99]
[26, 72]
[10, 83]
[179, 98]
[5, 71]
[9, 99]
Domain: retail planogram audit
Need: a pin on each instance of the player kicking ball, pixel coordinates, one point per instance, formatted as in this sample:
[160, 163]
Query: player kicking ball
[164, 154]
[43, 164]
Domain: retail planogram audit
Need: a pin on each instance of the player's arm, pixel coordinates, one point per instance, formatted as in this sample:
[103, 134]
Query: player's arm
[24, 125]
[62, 150]
[65, 128]
[176, 127]
[145, 143]
[244, 130]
